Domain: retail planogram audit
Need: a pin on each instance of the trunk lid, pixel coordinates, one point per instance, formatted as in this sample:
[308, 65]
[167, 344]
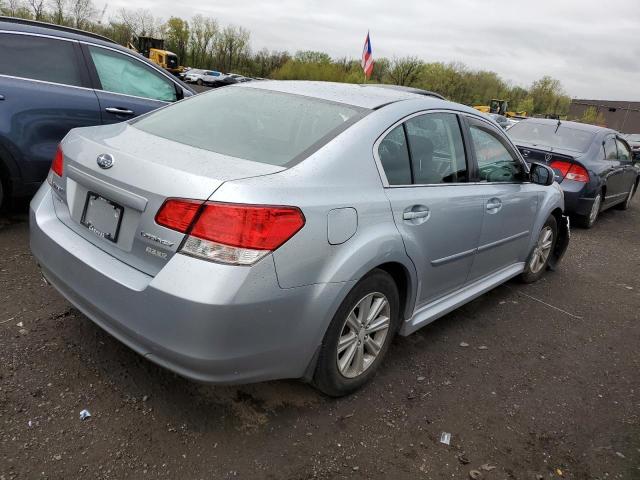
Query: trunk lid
[546, 155]
[122, 200]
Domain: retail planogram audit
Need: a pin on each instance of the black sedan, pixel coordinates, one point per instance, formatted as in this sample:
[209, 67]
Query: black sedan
[593, 165]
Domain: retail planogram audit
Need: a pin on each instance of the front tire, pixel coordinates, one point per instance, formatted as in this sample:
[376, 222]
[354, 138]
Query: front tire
[589, 220]
[359, 335]
[199, 82]
[538, 260]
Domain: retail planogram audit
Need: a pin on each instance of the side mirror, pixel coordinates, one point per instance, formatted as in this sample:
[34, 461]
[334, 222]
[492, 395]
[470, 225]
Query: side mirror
[541, 174]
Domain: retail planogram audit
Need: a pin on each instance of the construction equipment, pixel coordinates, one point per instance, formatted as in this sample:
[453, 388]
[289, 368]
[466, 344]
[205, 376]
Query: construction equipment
[153, 49]
[499, 107]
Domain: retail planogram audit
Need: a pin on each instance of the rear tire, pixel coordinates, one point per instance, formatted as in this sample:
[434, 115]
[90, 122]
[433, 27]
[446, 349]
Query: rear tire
[627, 201]
[538, 260]
[357, 340]
[589, 220]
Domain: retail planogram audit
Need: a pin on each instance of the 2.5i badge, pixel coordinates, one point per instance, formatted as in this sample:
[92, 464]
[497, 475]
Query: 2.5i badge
[156, 252]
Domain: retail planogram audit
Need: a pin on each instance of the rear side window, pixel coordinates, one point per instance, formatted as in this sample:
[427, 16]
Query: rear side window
[119, 73]
[39, 58]
[436, 148]
[253, 124]
[394, 156]
[623, 151]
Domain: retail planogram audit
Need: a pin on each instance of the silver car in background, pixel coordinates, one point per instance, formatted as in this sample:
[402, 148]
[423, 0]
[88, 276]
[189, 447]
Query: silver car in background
[292, 233]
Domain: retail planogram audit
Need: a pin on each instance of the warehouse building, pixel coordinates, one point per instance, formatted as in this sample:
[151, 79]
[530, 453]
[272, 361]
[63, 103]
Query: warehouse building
[620, 115]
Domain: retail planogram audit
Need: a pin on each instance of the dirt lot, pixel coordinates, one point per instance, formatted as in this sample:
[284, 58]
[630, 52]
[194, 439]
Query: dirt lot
[548, 387]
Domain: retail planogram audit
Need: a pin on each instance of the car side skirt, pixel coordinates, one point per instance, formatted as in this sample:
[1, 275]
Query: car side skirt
[450, 302]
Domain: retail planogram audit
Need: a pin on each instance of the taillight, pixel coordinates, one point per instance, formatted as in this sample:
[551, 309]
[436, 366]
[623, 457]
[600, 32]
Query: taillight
[230, 233]
[570, 171]
[57, 166]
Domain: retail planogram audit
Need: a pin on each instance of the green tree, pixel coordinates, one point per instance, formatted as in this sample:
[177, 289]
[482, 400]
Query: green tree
[311, 56]
[404, 71]
[177, 37]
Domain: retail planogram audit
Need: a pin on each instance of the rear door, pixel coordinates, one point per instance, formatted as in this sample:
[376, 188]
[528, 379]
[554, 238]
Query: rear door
[614, 172]
[510, 201]
[126, 87]
[629, 172]
[436, 210]
[43, 95]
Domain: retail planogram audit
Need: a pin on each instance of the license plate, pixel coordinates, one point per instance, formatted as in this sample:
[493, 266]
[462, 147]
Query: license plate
[102, 217]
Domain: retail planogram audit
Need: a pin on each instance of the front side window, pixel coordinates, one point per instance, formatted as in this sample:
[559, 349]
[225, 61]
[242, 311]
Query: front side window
[610, 149]
[623, 151]
[436, 149]
[39, 58]
[252, 124]
[495, 162]
[119, 73]
[394, 156]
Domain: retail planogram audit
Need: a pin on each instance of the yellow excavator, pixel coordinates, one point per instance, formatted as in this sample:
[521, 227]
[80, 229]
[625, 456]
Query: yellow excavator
[499, 107]
[153, 49]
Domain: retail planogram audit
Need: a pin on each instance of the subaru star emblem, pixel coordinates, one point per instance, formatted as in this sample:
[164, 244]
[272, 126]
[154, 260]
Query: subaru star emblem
[105, 160]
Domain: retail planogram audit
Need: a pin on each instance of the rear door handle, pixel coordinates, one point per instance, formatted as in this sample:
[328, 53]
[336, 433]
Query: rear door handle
[119, 111]
[1, 97]
[494, 205]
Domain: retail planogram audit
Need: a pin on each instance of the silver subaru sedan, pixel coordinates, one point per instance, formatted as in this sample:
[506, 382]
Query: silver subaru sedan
[290, 229]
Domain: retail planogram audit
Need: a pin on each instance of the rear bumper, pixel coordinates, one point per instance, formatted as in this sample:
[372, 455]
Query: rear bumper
[205, 321]
[578, 198]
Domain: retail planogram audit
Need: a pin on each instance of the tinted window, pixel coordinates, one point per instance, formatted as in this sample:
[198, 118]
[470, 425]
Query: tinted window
[610, 150]
[495, 162]
[623, 152]
[259, 125]
[394, 157]
[119, 73]
[551, 135]
[437, 151]
[39, 59]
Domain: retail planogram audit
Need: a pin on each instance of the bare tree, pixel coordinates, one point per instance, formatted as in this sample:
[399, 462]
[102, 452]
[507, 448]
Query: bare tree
[231, 47]
[59, 11]
[203, 32]
[405, 70]
[82, 11]
[38, 8]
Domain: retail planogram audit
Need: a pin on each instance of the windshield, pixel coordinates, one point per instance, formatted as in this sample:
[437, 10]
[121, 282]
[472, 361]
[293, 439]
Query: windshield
[551, 135]
[252, 124]
[633, 137]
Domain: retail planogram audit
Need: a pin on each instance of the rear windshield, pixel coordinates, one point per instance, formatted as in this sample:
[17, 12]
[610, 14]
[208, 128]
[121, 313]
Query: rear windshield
[252, 124]
[550, 135]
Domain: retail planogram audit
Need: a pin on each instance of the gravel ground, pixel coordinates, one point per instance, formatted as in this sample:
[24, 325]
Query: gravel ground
[548, 387]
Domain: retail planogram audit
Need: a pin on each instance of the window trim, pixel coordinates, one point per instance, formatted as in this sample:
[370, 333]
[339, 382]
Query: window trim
[618, 140]
[85, 76]
[609, 136]
[505, 141]
[402, 121]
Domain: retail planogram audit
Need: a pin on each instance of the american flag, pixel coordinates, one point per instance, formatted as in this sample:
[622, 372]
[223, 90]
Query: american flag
[367, 57]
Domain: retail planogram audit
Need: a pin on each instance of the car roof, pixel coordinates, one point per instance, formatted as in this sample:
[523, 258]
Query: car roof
[43, 28]
[566, 123]
[370, 97]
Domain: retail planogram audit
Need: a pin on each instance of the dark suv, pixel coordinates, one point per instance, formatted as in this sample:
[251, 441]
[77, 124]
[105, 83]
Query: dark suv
[53, 79]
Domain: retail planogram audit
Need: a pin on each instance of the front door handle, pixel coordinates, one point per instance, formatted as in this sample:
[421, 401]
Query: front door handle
[1, 97]
[415, 214]
[494, 205]
[119, 111]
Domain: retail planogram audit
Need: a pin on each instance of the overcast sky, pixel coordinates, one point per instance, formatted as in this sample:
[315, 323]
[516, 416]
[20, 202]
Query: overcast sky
[593, 47]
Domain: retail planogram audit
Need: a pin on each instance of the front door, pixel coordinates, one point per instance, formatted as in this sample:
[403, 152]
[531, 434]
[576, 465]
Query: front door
[436, 210]
[510, 201]
[126, 86]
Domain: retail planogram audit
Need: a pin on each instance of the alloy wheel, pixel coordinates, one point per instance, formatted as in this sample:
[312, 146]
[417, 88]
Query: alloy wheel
[363, 335]
[542, 250]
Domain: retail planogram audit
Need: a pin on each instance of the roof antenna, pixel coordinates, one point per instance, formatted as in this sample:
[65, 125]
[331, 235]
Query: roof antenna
[557, 126]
